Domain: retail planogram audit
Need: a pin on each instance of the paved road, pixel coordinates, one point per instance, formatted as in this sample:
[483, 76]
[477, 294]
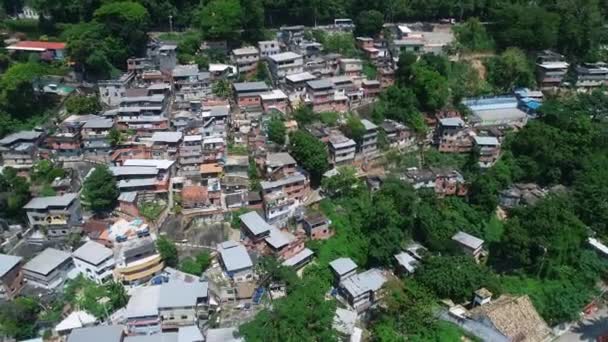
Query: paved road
[588, 329]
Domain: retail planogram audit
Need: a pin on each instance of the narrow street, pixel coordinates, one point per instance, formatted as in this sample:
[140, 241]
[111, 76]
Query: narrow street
[589, 329]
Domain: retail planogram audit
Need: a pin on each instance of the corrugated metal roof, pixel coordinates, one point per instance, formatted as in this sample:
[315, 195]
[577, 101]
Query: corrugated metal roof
[60, 201]
[47, 261]
[93, 253]
[467, 240]
[105, 333]
[255, 223]
[7, 262]
[181, 294]
[235, 258]
[343, 265]
[370, 280]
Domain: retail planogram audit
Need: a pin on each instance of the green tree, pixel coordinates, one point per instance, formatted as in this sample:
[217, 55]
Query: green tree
[151, 210]
[99, 191]
[18, 317]
[252, 12]
[310, 153]
[277, 131]
[44, 172]
[220, 19]
[342, 184]
[408, 311]
[510, 70]
[304, 115]
[307, 303]
[541, 239]
[117, 294]
[405, 69]
[81, 104]
[18, 189]
[455, 277]
[342, 43]
[369, 23]
[354, 129]
[17, 94]
[580, 28]
[115, 137]
[472, 35]
[196, 266]
[261, 73]
[400, 104]
[222, 88]
[167, 250]
[431, 88]
[127, 21]
[591, 194]
[528, 27]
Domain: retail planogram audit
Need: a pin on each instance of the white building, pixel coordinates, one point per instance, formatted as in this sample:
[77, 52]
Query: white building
[286, 63]
[94, 261]
[268, 48]
[112, 91]
[246, 59]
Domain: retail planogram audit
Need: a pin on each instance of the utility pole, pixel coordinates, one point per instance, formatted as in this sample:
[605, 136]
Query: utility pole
[171, 23]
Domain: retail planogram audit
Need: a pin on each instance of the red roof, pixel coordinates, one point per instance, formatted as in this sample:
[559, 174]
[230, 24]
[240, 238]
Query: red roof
[194, 193]
[29, 44]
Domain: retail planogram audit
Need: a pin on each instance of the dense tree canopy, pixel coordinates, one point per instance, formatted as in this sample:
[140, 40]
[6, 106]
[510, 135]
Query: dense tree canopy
[528, 27]
[310, 153]
[277, 131]
[99, 191]
[369, 23]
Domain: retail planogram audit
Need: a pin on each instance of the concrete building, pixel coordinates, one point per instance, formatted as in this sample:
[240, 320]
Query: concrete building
[246, 59]
[254, 226]
[275, 99]
[320, 93]
[137, 261]
[182, 304]
[488, 151]
[11, 276]
[591, 75]
[141, 312]
[341, 149]
[112, 91]
[19, 149]
[286, 63]
[369, 145]
[297, 82]
[470, 244]
[453, 136]
[269, 48]
[279, 165]
[48, 269]
[165, 144]
[495, 111]
[352, 67]
[191, 155]
[247, 94]
[105, 333]
[94, 261]
[55, 214]
[95, 136]
[363, 290]
[236, 261]
[317, 227]
[551, 68]
[295, 186]
[343, 268]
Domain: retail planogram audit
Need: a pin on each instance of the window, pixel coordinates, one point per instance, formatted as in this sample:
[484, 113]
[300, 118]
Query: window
[184, 317]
